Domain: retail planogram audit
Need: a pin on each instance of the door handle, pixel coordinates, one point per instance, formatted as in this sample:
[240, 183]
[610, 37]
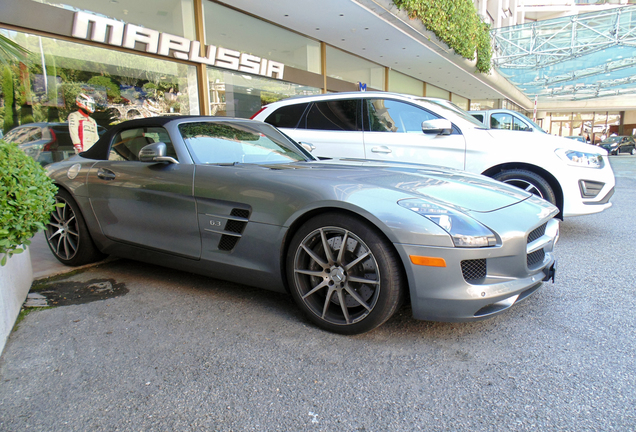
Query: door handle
[382, 149]
[105, 174]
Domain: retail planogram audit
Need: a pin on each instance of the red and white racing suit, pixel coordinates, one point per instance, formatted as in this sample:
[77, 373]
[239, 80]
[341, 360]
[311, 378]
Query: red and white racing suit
[83, 130]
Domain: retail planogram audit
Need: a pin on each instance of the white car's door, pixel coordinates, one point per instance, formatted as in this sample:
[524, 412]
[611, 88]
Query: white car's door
[394, 133]
[333, 127]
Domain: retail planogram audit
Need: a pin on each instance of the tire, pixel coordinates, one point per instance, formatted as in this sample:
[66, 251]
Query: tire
[528, 181]
[633, 151]
[67, 234]
[334, 294]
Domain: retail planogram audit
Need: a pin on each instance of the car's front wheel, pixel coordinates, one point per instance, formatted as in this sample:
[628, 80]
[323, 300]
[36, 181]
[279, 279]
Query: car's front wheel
[343, 274]
[634, 151]
[528, 181]
[67, 234]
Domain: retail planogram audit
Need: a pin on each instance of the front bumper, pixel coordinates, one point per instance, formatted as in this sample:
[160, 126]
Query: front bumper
[576, 197]
[465, 291]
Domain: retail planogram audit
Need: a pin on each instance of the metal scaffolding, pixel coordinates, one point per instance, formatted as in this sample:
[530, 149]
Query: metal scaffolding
[571, 58]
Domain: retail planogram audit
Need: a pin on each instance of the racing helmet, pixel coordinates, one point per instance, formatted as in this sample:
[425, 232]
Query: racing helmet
[85, 102]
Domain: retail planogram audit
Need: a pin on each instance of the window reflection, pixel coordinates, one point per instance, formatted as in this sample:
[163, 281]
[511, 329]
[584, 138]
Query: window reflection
[235, 94]
[123, 86]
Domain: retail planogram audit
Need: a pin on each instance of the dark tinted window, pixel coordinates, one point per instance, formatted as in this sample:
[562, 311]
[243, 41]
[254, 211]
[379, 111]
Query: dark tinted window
[479, 117]
[63, 136]
[337, 115]
[34, 135]
[287, 116]
[19, 135]
[387, 115]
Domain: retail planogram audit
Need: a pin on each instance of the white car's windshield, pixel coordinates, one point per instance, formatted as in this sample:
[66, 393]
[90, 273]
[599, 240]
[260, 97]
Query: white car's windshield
[450, 110]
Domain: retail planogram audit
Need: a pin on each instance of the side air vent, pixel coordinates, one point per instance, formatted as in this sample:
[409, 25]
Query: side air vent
[233, 227]
[235, 224]
[227, 242]
[240, 213]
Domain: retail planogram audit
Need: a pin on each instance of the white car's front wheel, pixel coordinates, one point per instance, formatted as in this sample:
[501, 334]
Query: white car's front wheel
[528, 181]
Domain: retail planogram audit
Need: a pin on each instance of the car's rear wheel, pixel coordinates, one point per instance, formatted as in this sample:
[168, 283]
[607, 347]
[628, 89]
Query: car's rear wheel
[343, 274]
[528, 181]
[634, 151]
[67, 234]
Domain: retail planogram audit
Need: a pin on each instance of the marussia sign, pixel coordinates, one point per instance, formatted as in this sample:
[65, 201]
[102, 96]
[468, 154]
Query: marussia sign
[113, 32]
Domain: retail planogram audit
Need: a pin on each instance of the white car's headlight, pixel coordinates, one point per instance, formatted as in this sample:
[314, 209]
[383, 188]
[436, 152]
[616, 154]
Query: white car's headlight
[465, 231]
[578, 158]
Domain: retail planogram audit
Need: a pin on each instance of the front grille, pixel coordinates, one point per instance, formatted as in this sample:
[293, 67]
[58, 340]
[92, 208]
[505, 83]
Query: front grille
[473, 270]
[535, 257]
[537, 233]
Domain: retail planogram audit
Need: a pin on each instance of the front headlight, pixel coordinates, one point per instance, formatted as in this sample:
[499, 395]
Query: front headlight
[465, 231]
[577, 158]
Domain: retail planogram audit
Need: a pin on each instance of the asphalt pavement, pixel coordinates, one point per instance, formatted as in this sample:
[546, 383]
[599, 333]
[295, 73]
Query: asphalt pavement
[132, 346]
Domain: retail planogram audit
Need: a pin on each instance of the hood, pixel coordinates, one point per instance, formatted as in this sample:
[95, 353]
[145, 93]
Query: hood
[454, 188]
[533, 139]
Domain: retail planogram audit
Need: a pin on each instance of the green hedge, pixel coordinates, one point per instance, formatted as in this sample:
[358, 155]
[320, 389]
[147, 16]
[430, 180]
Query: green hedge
[456, 23]
[27, 198]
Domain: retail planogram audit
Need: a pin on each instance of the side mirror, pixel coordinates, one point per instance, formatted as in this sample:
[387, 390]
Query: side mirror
[437, 126]
[308, 146]
[155, 152]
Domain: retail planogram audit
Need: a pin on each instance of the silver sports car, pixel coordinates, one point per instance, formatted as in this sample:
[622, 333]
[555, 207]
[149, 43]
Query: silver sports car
[350, 240]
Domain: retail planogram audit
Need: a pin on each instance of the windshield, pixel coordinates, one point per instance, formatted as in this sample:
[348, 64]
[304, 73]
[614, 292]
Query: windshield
[612, 140]
[536, 126]
[449, 110]
[226, 143]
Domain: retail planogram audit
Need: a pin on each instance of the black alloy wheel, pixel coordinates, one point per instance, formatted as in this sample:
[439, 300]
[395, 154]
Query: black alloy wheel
[67, 234]
[343, 274]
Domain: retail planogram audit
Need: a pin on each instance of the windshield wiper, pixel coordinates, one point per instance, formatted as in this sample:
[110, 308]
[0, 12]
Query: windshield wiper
[224, 163]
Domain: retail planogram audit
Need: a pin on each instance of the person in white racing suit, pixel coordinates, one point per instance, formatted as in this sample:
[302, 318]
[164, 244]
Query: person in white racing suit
[82, 127]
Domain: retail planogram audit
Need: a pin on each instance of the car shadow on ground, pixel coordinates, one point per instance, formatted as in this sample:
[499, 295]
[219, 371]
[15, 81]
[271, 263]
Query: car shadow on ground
[148, 283]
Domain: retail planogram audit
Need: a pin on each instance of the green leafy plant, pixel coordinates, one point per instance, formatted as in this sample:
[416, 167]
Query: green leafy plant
[457, 24]
[27, 198]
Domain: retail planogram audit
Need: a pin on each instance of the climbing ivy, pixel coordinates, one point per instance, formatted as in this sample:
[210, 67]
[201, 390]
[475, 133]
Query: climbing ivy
[456, 23]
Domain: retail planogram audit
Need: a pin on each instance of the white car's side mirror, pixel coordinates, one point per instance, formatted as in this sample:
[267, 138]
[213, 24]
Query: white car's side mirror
[437, 126]
[308, 146]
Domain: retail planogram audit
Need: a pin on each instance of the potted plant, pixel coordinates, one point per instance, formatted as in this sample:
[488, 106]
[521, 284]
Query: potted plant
[27, 198]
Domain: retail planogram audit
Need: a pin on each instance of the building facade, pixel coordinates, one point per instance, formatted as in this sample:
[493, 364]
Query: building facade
[145, 58]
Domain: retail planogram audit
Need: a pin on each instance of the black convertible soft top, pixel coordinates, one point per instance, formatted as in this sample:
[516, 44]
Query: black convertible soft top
[100, 149]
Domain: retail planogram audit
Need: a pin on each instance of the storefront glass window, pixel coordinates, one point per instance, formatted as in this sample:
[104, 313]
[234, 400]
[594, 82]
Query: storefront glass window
[461, 102]
[235, 94]
[347, 67]
[432, 91]
[481, 104]
[170, 16]
[401, 83]
[120, 85]
[230, 29]
[561, 116]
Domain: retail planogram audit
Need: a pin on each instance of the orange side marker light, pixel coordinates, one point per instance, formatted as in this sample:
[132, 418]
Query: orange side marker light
[428, 261]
